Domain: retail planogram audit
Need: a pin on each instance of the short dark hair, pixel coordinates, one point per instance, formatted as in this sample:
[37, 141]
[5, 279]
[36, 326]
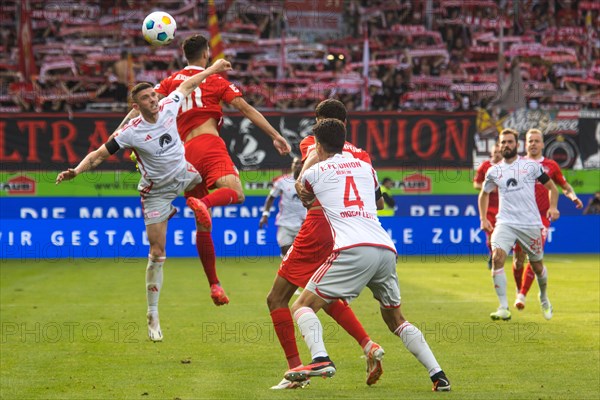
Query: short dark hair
[194, 46]
[139, 87]
[386, 180]
[509, 131]
[330, 133]
[331, 108]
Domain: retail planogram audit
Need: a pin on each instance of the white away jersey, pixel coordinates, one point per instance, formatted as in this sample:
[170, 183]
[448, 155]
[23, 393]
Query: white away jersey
[346, 190]
[516, 191]
[158, 148]
[291, 211]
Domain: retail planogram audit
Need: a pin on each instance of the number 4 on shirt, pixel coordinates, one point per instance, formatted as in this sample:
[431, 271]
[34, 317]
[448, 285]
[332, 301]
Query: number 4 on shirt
[351, 187]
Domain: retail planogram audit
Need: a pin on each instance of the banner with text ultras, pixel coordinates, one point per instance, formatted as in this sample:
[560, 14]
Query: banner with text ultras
[394, 140]
[91, 228]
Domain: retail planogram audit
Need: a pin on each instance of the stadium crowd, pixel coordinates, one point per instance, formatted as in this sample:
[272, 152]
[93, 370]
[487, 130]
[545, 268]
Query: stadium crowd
[423, 54]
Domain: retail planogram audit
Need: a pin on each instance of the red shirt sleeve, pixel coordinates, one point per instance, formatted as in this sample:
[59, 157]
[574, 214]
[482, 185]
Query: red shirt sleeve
[556, 174]
[228, 90]
[306, 145]
[480, 175]
[164, 87]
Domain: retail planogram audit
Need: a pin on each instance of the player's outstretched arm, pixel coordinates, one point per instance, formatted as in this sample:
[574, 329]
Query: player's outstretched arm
[91, 161]
[192, 83]
[279, 142]
[568, 191]
[264, 219]
[553, 214]
[130, 115]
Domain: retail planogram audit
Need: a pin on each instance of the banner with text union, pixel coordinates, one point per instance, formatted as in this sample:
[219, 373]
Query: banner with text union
[394, 140]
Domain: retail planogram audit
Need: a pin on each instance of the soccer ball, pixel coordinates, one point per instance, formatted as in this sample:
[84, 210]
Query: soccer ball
[159, 28]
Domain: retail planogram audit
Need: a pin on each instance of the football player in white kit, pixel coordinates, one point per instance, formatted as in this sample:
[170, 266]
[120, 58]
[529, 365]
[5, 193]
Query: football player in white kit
[363, 255]
[518, 218]
[165, 173]
[291, 213]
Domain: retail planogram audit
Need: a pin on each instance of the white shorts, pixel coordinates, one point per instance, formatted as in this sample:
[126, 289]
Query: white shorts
[157, 203]
[530, 239]
[346, 273]
[286, 235]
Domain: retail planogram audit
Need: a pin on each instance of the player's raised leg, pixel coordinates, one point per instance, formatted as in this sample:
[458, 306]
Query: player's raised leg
[205, 245]
[229, 191]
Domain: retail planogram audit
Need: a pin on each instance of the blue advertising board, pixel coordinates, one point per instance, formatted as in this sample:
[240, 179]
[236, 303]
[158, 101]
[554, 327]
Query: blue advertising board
[112, 227]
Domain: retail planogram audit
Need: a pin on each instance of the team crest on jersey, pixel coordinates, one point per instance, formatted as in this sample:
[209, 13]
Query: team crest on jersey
[165, 138]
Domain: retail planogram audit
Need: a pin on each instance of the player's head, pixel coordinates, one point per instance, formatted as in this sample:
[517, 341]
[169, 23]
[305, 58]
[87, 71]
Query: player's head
[387, 182]
[296, 167]
[509, 142]
[144, 98]
[196, 50]
[495, 153]
[331, 108]
[534, 143]
[330, 136]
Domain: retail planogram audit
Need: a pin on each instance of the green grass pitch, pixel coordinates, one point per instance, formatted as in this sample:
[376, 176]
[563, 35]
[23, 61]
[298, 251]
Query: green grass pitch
[76, 330]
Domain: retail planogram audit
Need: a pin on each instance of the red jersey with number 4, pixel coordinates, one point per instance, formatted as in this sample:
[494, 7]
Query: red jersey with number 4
[203, 103]
[480, 178]
[551, 169]
[308, 144]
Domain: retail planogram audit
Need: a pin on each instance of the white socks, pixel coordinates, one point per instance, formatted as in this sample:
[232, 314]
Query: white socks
[499, 278]
[415, 343]
[543, 283]
[311, 330]
[154, 281]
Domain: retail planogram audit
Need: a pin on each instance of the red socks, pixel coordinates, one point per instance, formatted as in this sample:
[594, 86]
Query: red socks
[518, 274]
[220, 197]
[206, 252]
[284, 327]
[345, 317]
[528, 278]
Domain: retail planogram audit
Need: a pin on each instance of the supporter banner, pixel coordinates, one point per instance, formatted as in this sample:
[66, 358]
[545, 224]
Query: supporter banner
[258, 183]
[394, 140]
[309, 17]
[571, 138]
[54, 228]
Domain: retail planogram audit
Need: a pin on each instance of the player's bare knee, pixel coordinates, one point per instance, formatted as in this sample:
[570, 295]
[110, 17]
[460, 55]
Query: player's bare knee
[157, 251]
[392, 317]
[537, 266]
[241, 197]
[276, 300]
[498, 258]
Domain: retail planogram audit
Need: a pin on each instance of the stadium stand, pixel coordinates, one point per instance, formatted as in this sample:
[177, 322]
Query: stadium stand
[422, 54]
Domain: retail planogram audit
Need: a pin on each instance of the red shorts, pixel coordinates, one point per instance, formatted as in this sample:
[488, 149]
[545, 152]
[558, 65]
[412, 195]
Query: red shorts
[312, 246]
[208, 154]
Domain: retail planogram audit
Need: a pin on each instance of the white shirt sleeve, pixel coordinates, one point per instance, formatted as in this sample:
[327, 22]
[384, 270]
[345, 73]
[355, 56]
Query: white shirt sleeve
[125, 137]
[489, 184]
[276, 189]
[172, 102]
[310, 176]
